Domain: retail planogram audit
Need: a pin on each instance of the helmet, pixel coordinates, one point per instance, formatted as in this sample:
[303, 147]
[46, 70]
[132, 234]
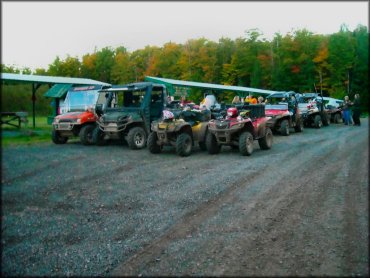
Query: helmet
[168, 115]
[232, 112]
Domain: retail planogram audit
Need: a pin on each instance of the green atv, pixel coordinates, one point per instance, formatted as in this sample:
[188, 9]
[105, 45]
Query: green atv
[188, 128]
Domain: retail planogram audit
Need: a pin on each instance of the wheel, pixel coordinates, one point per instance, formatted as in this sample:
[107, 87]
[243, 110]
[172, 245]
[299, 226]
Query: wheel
[86, 134]
[299, 127]
[266, 141]
[56, 138]
[184, 144]
[246, 143]
[325, 119]
[211, 143]
[317, 121]
[152, 143]
[337, 118]
[136, 138]
[98, 137]
[203, 146]
[284, 128]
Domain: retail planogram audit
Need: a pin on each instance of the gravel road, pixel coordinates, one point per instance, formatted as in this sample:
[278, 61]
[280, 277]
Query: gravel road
[300, 208]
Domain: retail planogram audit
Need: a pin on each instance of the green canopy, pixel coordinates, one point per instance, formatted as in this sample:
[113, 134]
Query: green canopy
[58, 90]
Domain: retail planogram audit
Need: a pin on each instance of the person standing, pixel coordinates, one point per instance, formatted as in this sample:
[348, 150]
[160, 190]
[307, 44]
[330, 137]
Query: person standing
[356, 110]
[347, 111]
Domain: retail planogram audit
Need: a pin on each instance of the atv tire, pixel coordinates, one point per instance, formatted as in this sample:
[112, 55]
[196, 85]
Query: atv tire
[266, 141]
[337, 118]
[136, 138]
[86, 135]
[284, 127]
[203, 146]
[98, 137]
[152, 143]
[56, 138]
[317, 121]
[299, 127]
[246, 143]
[184, 144]
[212, 145]
[326, 120]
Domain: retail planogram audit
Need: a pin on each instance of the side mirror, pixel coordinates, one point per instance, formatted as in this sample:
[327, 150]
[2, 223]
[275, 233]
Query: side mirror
[99, 109]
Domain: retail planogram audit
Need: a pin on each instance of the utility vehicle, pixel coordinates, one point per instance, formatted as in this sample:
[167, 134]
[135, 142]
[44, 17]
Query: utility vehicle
[79, 118]
[128, 111]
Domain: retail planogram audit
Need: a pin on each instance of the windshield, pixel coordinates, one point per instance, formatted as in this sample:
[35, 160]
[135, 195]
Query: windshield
[276, 100]
[81, 100]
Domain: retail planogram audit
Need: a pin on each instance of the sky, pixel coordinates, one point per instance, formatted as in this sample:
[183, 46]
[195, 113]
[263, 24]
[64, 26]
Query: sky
[35, 33]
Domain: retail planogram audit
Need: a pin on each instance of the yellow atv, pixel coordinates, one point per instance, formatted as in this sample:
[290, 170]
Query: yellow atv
[189, 128]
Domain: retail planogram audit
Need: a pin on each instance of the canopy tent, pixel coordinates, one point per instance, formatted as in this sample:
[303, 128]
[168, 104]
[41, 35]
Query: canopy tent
[174, 86]
[64, 83]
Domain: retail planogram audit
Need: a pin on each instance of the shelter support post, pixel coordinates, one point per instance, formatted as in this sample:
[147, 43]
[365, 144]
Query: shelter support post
[35, 86]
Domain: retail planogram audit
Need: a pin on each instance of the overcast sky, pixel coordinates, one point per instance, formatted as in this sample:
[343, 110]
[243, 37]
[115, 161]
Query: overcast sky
[34, 33]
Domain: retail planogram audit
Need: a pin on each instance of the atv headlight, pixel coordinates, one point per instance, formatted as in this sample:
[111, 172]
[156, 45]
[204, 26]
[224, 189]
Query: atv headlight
[56, 120]
[78, 121]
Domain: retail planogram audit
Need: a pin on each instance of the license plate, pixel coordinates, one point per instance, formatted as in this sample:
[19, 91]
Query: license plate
[65, 126]
[111, 129]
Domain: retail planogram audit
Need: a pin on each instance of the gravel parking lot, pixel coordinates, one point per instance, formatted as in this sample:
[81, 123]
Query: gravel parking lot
[300, 208]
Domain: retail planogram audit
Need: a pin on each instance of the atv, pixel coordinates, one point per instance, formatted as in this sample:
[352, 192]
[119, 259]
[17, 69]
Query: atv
[239, 129]
[182, 132]
[313, 110]
[284, 112]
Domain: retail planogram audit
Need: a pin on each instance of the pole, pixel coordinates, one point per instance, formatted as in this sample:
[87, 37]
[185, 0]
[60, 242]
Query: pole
[33, 104]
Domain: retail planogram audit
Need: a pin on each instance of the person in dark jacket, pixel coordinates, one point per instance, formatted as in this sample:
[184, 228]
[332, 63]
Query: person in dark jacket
[356, 108]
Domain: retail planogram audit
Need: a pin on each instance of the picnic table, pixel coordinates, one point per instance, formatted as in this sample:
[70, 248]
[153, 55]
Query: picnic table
[14, 118]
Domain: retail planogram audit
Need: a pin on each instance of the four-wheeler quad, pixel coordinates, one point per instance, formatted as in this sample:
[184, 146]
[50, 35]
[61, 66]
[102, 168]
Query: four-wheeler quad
[333, 108]
[240, 129]
[313, 111]
[283, 109]
[79, 120]
[188, 128]
[128, 111]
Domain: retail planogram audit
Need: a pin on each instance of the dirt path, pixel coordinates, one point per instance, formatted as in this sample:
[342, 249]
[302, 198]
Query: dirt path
[300, 208]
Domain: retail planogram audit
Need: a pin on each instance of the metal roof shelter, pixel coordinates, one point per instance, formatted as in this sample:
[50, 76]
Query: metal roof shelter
[173, 84]
[38, 80]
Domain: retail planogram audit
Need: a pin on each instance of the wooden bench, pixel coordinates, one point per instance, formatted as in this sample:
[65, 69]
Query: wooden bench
[14, 118]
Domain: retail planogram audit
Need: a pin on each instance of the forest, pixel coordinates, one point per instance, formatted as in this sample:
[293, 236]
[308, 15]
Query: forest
[300, 61]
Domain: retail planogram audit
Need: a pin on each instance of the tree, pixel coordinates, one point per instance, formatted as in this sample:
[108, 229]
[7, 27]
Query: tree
[341, 59]
[121, 72]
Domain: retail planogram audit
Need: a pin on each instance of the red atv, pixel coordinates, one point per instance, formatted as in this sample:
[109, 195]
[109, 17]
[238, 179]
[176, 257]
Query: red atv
[239, 129]
[283, 109]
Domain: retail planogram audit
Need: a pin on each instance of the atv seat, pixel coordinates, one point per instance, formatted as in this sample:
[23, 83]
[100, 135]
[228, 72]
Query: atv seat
[255, 110]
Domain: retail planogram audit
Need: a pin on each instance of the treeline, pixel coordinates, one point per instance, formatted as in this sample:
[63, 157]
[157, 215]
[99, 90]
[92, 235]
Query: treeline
[336, 64]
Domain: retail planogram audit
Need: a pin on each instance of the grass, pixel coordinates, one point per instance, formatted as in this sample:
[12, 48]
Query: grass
[11, 136]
